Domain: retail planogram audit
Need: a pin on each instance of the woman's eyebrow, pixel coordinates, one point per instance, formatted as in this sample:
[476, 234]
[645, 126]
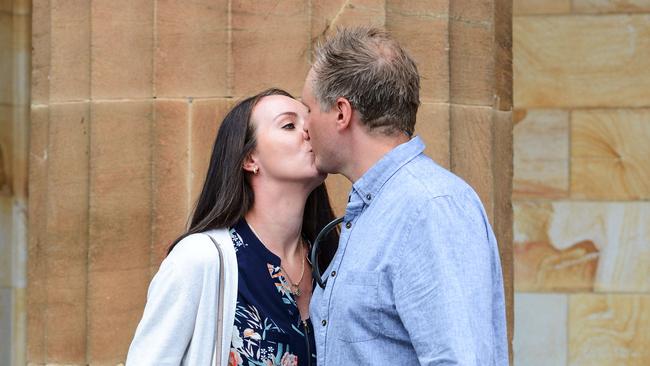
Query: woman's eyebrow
[286, 113]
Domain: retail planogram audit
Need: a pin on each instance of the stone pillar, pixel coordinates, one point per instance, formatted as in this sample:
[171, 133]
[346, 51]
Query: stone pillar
[14, 143]
[126, 100]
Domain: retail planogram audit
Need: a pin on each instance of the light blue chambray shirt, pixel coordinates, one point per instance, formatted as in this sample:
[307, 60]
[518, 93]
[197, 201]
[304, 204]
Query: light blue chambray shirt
[416, 279]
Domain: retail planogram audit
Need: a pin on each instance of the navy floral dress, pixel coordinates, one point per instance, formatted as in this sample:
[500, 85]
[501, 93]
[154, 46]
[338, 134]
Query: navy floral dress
[268, 329]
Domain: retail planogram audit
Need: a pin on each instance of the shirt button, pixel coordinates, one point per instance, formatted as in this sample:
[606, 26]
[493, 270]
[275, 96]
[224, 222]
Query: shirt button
[368, 196]
[324, 322]
[348, 224]
[333, 273]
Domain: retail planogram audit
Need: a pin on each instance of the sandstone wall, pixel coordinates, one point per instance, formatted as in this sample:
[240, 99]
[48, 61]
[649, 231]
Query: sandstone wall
[582, 182]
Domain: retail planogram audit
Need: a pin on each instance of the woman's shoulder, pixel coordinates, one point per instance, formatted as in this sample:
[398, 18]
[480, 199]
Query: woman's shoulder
[194, 249]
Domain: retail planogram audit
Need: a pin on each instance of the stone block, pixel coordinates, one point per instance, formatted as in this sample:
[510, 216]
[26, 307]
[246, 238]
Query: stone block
[65, 245]
[472, 11]
[611, 6]
[541, 154]
[192, 49]
[171, 168]
[609, 330]
[471, 62]
[327, 16]
[41, 45]
[581, 61]
[537, 7]
[471, 150]
[338, 189]
[6, 245]
[609, 154]
[115, 306]
[433, 127]
[6, 323]
[70, 59]
[6, 150]
[502, 223]
[37, 234]
[120, 225]
[582, 246]
[6, 63]
[206, 118]
[122, 49]
[503, 55]
[423, 30]
[541, 325]
[263, 28]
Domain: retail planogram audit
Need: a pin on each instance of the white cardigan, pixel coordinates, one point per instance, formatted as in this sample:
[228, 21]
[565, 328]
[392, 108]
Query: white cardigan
[178, 326]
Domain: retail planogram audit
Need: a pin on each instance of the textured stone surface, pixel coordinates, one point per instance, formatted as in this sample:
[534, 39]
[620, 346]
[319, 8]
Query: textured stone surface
[541, 329]
[66, 244]
[422, 29]
[471, 150]
[192, 48]
[70, 51]
[581, 61]
[611, 6]
[120, 225]
[40, 83]
[270, 47]
[541, 154]
[328, 15]
[122, 49]
[171, 167]
[338, 188]
[537, 7]
[36, 280]
[572, 246]
[433, 127]
[206, 119]
[610, 154]
[471, 76]
[609, 330]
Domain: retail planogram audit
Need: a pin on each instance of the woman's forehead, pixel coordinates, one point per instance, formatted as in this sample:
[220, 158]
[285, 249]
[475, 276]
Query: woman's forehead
[269, 107]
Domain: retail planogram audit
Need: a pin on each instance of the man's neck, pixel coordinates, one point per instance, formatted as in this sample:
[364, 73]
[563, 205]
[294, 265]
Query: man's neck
[367, 149]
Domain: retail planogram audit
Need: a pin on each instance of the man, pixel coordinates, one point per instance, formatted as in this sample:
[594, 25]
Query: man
[416, 279]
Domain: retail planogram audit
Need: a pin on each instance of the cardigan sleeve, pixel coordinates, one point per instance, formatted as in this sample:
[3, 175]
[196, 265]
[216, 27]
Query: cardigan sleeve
[175, 293]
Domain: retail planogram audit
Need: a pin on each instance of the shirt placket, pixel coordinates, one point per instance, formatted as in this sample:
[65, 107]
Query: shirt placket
[351, 216]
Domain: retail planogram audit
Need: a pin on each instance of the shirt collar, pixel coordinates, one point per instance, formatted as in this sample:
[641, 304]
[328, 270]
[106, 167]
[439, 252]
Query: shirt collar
[371, 181]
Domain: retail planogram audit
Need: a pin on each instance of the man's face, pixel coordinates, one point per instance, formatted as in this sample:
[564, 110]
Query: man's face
[321, 128]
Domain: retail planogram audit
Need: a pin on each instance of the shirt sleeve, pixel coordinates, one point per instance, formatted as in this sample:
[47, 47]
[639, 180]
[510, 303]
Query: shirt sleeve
[448, 289]
[167, 325]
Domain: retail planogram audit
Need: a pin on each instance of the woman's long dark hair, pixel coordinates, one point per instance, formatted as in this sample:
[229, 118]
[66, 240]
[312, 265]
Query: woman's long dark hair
[227, 194]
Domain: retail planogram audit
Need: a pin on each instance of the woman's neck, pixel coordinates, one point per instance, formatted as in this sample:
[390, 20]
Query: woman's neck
[276, 218]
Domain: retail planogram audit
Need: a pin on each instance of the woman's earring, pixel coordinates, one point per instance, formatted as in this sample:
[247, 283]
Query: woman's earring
[255, 170]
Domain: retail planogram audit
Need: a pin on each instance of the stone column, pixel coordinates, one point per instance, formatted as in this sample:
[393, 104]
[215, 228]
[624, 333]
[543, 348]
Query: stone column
[14, 144]
[126, 100]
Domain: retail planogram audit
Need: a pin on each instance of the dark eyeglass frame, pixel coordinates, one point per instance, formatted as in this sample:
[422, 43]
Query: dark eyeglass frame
[313, 255]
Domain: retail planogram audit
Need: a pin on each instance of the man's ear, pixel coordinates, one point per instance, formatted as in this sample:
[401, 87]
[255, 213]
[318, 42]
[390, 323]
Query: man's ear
[344, 110]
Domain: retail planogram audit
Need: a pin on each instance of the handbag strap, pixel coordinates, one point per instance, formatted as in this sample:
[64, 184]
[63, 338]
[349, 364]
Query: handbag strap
[220, 302]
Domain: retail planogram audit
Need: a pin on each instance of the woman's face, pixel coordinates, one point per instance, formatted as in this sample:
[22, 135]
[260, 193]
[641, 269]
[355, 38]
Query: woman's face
[282, 152]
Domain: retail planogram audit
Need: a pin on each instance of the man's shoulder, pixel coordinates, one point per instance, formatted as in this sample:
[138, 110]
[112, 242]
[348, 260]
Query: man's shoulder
[423, 178]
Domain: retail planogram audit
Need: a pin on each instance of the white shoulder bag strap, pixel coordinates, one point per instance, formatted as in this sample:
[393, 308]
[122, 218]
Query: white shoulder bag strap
[227, 292]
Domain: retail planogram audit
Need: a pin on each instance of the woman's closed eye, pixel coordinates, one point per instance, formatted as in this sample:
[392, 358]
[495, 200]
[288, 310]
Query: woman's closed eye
[289, 126]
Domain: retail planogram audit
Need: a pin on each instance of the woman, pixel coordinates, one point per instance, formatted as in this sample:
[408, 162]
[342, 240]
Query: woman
[263, 186]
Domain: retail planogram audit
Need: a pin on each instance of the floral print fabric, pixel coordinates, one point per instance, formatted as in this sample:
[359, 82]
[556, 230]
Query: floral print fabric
[268, 330]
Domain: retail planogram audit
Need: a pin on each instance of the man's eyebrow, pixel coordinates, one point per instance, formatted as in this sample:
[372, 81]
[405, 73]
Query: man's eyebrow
[303, 103]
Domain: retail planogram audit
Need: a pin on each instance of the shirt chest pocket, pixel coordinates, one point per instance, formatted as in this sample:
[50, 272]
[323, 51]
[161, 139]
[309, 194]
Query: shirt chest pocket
[356, 306]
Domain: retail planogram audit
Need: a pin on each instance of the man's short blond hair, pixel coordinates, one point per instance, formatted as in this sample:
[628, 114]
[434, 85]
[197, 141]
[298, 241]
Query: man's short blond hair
[370, 69]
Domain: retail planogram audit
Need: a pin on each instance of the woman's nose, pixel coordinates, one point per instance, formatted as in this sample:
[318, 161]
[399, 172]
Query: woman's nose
[305, 134]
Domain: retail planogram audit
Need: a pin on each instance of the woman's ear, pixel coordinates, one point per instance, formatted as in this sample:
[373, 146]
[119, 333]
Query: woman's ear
[344, 109]
[250, 164]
